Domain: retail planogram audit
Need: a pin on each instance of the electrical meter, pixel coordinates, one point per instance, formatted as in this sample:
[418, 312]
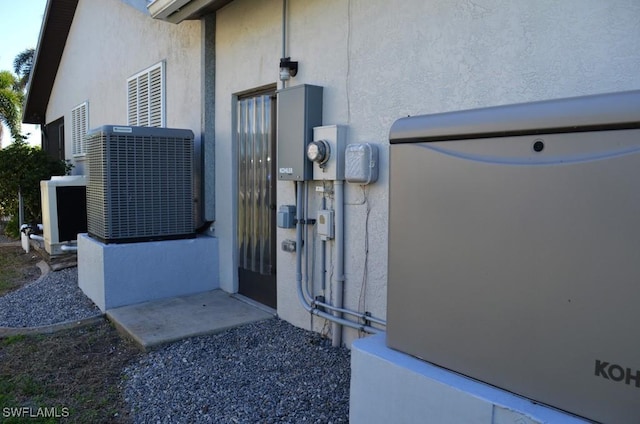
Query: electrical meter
[326, 152]
[319, 151]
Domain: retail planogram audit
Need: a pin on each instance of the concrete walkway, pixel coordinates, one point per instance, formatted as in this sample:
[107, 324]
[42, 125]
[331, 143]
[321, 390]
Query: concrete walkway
[152, 324]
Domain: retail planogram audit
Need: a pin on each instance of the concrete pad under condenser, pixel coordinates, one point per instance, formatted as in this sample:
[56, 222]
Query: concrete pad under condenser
[120, 274]
[158, 322]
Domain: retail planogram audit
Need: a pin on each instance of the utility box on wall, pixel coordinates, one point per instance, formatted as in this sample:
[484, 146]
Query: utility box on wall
[299, 110]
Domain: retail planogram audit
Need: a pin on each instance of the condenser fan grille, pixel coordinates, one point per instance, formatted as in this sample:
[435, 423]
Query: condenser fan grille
[140, 184]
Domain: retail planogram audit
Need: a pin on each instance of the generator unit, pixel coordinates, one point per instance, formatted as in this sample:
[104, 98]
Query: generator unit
[514, 249]
[140, 184]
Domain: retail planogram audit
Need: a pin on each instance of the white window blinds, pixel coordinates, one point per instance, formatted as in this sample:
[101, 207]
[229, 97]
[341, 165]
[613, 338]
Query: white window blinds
[145, 97]
[79, 128]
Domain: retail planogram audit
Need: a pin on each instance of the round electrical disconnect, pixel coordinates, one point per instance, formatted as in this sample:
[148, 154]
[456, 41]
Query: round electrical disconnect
[318, 151]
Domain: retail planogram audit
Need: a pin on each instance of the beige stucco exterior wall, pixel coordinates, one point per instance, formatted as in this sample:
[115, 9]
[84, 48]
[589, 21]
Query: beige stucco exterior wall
[110, 41]
[379, 60]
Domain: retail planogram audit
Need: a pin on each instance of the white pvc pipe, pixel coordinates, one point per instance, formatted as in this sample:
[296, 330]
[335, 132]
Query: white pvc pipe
[338, 288]
[36, 237]
[20, 209]
[69, 248]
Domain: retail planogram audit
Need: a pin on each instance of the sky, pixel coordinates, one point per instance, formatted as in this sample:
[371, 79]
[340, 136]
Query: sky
[20, 22]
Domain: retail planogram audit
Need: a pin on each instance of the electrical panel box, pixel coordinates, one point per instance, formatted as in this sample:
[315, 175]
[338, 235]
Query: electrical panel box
[361, 163]
[287, 216]
[328, 146]
[325, 224]
[299, 111]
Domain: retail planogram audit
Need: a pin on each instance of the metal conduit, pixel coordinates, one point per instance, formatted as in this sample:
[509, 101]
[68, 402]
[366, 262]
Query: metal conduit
[306, 299]
[303, 297]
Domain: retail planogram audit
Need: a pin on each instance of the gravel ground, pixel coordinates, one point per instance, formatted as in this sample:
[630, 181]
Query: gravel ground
[267, 372]
[54, 299]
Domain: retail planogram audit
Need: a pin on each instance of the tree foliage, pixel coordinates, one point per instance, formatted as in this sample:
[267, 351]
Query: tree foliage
[12, 89]
[22, 65]
[11, 103]
[22, 167]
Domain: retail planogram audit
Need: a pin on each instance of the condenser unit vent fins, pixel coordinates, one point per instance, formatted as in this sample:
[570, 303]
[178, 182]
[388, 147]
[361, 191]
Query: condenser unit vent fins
[140, 184]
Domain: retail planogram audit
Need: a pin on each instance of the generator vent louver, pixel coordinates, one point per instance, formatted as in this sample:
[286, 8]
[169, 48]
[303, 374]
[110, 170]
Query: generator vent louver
[140, 184]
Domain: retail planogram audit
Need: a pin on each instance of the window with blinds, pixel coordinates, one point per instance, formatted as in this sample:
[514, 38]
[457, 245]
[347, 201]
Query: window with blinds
[79, 128]
[145, 97]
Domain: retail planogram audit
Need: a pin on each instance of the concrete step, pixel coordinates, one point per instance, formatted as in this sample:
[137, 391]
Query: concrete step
[153, 324]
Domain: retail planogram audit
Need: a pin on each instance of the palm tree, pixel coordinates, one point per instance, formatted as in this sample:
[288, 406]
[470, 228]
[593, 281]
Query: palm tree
[22, 65]
[11, 103]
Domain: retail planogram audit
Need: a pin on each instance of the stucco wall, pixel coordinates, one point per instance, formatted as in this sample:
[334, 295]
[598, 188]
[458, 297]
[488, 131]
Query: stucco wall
[379, 60]
[110, 41]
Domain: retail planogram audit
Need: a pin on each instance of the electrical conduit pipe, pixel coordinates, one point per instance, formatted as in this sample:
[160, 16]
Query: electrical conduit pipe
[301, 295]
[336, 329]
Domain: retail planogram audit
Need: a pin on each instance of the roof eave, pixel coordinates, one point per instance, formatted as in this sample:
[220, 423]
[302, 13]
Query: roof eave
[54, 31]
[176, 11]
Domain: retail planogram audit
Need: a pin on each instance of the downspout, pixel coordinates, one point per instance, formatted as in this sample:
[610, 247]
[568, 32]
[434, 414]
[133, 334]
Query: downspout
[207, 161]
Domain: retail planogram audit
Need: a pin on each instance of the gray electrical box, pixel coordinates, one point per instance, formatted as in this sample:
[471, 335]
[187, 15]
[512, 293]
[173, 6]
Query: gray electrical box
[361, 163]
[299, 110]
[514, 249]
[325, 224]
[286, 216]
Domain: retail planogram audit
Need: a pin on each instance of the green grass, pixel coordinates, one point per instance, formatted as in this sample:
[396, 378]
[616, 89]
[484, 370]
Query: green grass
[17, 268]
[79, 370]
[12, 339]
[14, 387]
[9, 265]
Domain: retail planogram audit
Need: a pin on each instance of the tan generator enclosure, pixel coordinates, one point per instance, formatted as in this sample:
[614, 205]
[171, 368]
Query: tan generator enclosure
[514, 249]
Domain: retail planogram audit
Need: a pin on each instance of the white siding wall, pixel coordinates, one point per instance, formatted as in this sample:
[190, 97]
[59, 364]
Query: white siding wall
[109, 42]
[379, 60]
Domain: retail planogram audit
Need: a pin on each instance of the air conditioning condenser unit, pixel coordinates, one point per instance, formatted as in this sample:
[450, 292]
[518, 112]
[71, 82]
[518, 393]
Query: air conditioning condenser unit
[140, 184]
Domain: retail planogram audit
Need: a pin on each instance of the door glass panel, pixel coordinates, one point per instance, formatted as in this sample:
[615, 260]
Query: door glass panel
[253, 134]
